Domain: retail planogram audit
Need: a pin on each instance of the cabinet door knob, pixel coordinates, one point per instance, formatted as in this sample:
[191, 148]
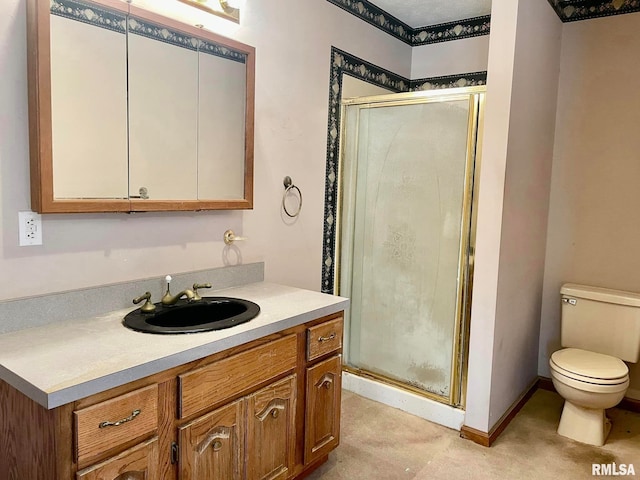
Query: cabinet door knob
[217, 445]
[275, 413]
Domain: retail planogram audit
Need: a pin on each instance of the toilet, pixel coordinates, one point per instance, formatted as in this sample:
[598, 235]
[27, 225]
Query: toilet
[600, 331]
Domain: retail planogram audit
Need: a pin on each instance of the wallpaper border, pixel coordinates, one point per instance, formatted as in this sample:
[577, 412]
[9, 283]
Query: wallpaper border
[567, 11]
[445, 32]
[575, 10]
[379, 18]
[90, 14]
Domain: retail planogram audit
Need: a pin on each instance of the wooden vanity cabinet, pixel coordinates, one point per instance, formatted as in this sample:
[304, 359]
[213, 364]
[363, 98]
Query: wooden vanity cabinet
[269, 409]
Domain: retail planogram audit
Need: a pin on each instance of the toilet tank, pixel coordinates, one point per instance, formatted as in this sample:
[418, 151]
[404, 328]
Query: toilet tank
[601, 320]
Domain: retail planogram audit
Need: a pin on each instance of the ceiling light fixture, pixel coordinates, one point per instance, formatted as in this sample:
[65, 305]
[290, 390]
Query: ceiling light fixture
[229, 9]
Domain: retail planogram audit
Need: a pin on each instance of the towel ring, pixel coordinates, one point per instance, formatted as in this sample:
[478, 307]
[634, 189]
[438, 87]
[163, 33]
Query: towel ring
[288, 186]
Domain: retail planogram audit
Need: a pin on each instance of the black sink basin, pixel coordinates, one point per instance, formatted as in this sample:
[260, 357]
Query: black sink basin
[210, 313]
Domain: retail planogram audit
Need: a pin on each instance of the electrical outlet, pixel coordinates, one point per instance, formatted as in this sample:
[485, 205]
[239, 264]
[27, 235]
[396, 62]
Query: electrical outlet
[30, 228]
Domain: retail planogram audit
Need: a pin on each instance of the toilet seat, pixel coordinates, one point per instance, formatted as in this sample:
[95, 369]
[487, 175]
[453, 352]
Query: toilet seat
[589, 371]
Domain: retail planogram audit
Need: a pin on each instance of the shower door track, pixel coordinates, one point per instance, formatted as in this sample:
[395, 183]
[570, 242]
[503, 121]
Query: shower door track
[363, 373]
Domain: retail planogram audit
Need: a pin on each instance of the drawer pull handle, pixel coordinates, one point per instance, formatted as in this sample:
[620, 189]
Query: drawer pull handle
[327, 339]
[133, 415]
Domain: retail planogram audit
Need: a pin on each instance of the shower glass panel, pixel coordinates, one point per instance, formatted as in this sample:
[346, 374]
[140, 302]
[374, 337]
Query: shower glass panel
[406, 210]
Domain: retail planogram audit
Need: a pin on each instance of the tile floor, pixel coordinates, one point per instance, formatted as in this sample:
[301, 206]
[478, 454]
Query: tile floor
[380, 442]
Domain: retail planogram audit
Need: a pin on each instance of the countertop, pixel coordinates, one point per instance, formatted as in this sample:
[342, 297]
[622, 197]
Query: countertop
[64, 362]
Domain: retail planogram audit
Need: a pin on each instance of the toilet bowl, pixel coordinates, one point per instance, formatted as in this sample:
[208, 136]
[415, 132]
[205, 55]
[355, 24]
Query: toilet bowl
[590, 383]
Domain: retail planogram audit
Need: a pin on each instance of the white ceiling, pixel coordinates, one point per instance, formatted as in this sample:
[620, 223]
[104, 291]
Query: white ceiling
[420, 13]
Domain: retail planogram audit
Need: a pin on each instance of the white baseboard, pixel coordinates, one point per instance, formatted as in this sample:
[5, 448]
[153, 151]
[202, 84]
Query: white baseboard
[409, 402]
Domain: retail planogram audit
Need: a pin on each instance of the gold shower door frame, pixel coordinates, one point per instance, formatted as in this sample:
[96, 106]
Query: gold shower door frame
[476, 98]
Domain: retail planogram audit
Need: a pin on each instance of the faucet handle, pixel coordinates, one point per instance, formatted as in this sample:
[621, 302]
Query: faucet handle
[196, 287]
[148, 307]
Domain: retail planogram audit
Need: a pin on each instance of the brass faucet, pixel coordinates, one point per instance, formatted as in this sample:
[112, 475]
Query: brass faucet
[169, 299]
[148, 306]
[198, 286]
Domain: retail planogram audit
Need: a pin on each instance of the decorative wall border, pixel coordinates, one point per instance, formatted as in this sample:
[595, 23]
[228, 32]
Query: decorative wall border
[379, 18]
[450, 81]
[147, 29]
[567, 10]
[89, 13]
[122, 23]
[343, 63]
[161, 33]
[221, 51]
[444, 32]
[574, 10]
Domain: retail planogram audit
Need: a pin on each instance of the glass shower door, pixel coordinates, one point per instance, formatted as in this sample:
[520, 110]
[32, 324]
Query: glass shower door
[407, 184]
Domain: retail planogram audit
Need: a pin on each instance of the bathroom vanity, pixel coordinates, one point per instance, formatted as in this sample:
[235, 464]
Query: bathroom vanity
[91, 399]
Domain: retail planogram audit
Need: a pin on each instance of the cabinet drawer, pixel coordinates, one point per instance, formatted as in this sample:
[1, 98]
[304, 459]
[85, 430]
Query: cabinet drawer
[324, 338]
[104, 426]
[211, 384]
[137, 463]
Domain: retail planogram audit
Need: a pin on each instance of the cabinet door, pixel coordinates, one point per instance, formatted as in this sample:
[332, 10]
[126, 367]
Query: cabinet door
[212, 446]
[322, 418]
[137, 463]
[271, 432]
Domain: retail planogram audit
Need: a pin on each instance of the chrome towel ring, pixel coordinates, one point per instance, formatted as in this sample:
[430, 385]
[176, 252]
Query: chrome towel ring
[288, 187]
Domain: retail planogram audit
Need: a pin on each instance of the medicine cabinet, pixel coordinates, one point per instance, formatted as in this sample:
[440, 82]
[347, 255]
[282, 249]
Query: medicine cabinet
[133, 111]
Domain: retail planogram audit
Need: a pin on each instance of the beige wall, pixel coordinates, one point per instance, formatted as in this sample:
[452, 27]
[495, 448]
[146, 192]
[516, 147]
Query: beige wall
[593, 220]
[504, 14]
[526, 203]
[293, 40]
[450, 58]
[513, 206]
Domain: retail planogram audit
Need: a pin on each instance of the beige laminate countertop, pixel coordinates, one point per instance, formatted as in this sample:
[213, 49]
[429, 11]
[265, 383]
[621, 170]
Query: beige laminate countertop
[63, 362]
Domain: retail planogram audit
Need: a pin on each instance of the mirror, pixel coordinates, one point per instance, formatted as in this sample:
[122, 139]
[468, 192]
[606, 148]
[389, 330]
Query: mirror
[132, 111]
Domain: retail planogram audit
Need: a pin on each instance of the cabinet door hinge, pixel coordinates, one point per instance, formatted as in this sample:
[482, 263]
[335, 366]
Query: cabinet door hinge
[174, 453]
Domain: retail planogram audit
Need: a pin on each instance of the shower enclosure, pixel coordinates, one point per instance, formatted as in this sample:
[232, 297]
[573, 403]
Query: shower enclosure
[406, 233]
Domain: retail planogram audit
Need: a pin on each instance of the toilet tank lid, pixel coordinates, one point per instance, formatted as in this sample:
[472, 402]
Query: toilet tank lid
[601, 294]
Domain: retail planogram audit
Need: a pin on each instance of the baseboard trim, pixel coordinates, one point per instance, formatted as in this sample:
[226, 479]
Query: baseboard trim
[545, 383]
[487, 439]
[476, 436]
[630, 404]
